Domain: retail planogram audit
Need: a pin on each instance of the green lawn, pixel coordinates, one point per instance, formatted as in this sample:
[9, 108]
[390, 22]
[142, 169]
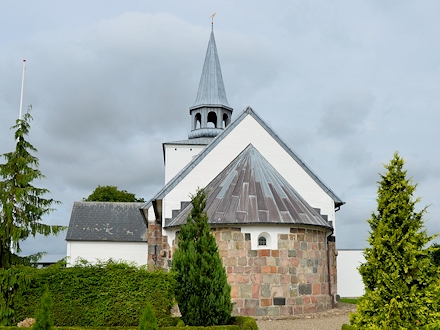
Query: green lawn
[349, 300]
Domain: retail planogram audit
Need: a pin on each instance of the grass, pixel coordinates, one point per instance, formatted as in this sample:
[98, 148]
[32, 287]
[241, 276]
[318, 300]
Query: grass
[349, 300]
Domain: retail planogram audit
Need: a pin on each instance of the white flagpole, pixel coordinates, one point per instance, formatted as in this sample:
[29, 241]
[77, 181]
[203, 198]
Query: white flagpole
[22, 89]
[19, 117]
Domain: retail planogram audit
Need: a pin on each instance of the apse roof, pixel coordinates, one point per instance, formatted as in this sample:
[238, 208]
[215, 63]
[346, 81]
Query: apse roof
[197, 159]
[211, 88]
[106, 221]
[251, 191]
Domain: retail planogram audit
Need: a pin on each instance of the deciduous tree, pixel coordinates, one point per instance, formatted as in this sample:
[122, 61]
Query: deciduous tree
[400, 278]
[112, 194]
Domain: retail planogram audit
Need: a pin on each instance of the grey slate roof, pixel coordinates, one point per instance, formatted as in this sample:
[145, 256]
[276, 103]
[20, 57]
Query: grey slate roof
[250, 191]
[211, 88]
[248, 112]
[196, 141]
[106, 221]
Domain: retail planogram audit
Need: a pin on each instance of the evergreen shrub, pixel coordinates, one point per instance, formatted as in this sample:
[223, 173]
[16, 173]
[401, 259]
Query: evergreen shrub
[202, 290]
[347, 327]
[402, 288]
[107, 294]
[43, 319]
[148, 320]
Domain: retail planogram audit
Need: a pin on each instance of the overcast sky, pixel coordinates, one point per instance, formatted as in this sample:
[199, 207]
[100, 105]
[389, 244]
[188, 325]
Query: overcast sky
[344, 83]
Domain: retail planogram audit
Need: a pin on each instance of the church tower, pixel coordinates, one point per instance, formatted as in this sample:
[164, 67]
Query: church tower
[210, 115]
[211, 112]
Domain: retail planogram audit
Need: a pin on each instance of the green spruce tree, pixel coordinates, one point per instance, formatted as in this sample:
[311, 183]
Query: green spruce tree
[401, 281]
[148, 320]
[203, 293]
[22, 207]
[43, 319]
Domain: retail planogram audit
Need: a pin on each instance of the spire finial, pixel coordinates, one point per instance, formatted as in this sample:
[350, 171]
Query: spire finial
[212, 21]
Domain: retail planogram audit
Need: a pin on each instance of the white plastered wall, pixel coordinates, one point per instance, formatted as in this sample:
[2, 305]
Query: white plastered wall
[93, 252]
[269, 232]
[177, 156]
[349, 280]
[249, 131]
[255, 231]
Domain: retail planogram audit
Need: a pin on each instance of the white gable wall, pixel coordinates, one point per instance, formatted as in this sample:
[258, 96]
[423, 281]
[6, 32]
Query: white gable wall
[177, 156]
[104, 250]
[249, 131]
[349, 280]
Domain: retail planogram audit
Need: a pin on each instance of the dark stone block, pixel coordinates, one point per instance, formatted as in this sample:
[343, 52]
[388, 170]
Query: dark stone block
[252, 253]
[151, 249]
[292, 270]
[279, 301]
[305, 289]
[291, 253]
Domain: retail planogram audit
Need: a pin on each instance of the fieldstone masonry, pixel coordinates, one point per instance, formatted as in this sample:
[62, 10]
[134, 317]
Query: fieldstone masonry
[159, 253]
[294, 279]
[290, 280]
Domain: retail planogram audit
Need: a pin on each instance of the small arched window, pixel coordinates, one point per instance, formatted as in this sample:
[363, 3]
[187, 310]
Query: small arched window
[212, 119]
[262, 241]
[197, 121]
[225, 120]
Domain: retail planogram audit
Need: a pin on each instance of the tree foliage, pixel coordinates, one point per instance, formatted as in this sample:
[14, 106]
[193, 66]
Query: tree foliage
[22, 207]
[203, 293]
[43, 319]
[107, 294]
[112, 194]
[401, 281]
[148, 321]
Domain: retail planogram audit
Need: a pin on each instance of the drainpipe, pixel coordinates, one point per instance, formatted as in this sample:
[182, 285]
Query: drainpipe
[328, 269]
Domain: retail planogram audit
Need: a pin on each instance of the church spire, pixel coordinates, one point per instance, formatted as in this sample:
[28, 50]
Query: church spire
[210, 113]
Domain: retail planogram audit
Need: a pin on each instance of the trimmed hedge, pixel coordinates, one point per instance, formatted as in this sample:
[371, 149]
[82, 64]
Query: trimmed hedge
[239, 323]
[104, 295]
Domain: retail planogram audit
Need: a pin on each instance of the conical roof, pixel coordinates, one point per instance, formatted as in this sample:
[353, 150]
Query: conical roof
[211, 88]
[250, 191]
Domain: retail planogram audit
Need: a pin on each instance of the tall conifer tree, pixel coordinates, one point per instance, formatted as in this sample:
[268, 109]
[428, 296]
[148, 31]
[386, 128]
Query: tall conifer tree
[203, 293]
[401, 281]
[22, 205]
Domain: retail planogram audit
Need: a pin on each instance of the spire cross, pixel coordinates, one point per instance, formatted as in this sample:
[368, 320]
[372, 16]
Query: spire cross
[212, 19]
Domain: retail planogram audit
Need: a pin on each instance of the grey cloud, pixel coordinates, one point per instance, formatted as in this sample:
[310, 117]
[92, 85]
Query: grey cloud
[346, 115]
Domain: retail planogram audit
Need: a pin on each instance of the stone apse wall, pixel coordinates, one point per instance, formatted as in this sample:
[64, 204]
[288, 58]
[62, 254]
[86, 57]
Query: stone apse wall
[294, 279]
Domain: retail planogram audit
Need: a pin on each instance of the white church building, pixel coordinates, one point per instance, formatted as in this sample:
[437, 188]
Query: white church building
[272, 217]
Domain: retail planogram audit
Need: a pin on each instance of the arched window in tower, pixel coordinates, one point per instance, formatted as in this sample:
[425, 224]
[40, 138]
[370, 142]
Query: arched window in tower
[197, 121]
[225, 121]
[212, 119]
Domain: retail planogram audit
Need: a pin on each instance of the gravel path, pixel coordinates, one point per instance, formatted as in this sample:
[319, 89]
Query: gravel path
[328, 320]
